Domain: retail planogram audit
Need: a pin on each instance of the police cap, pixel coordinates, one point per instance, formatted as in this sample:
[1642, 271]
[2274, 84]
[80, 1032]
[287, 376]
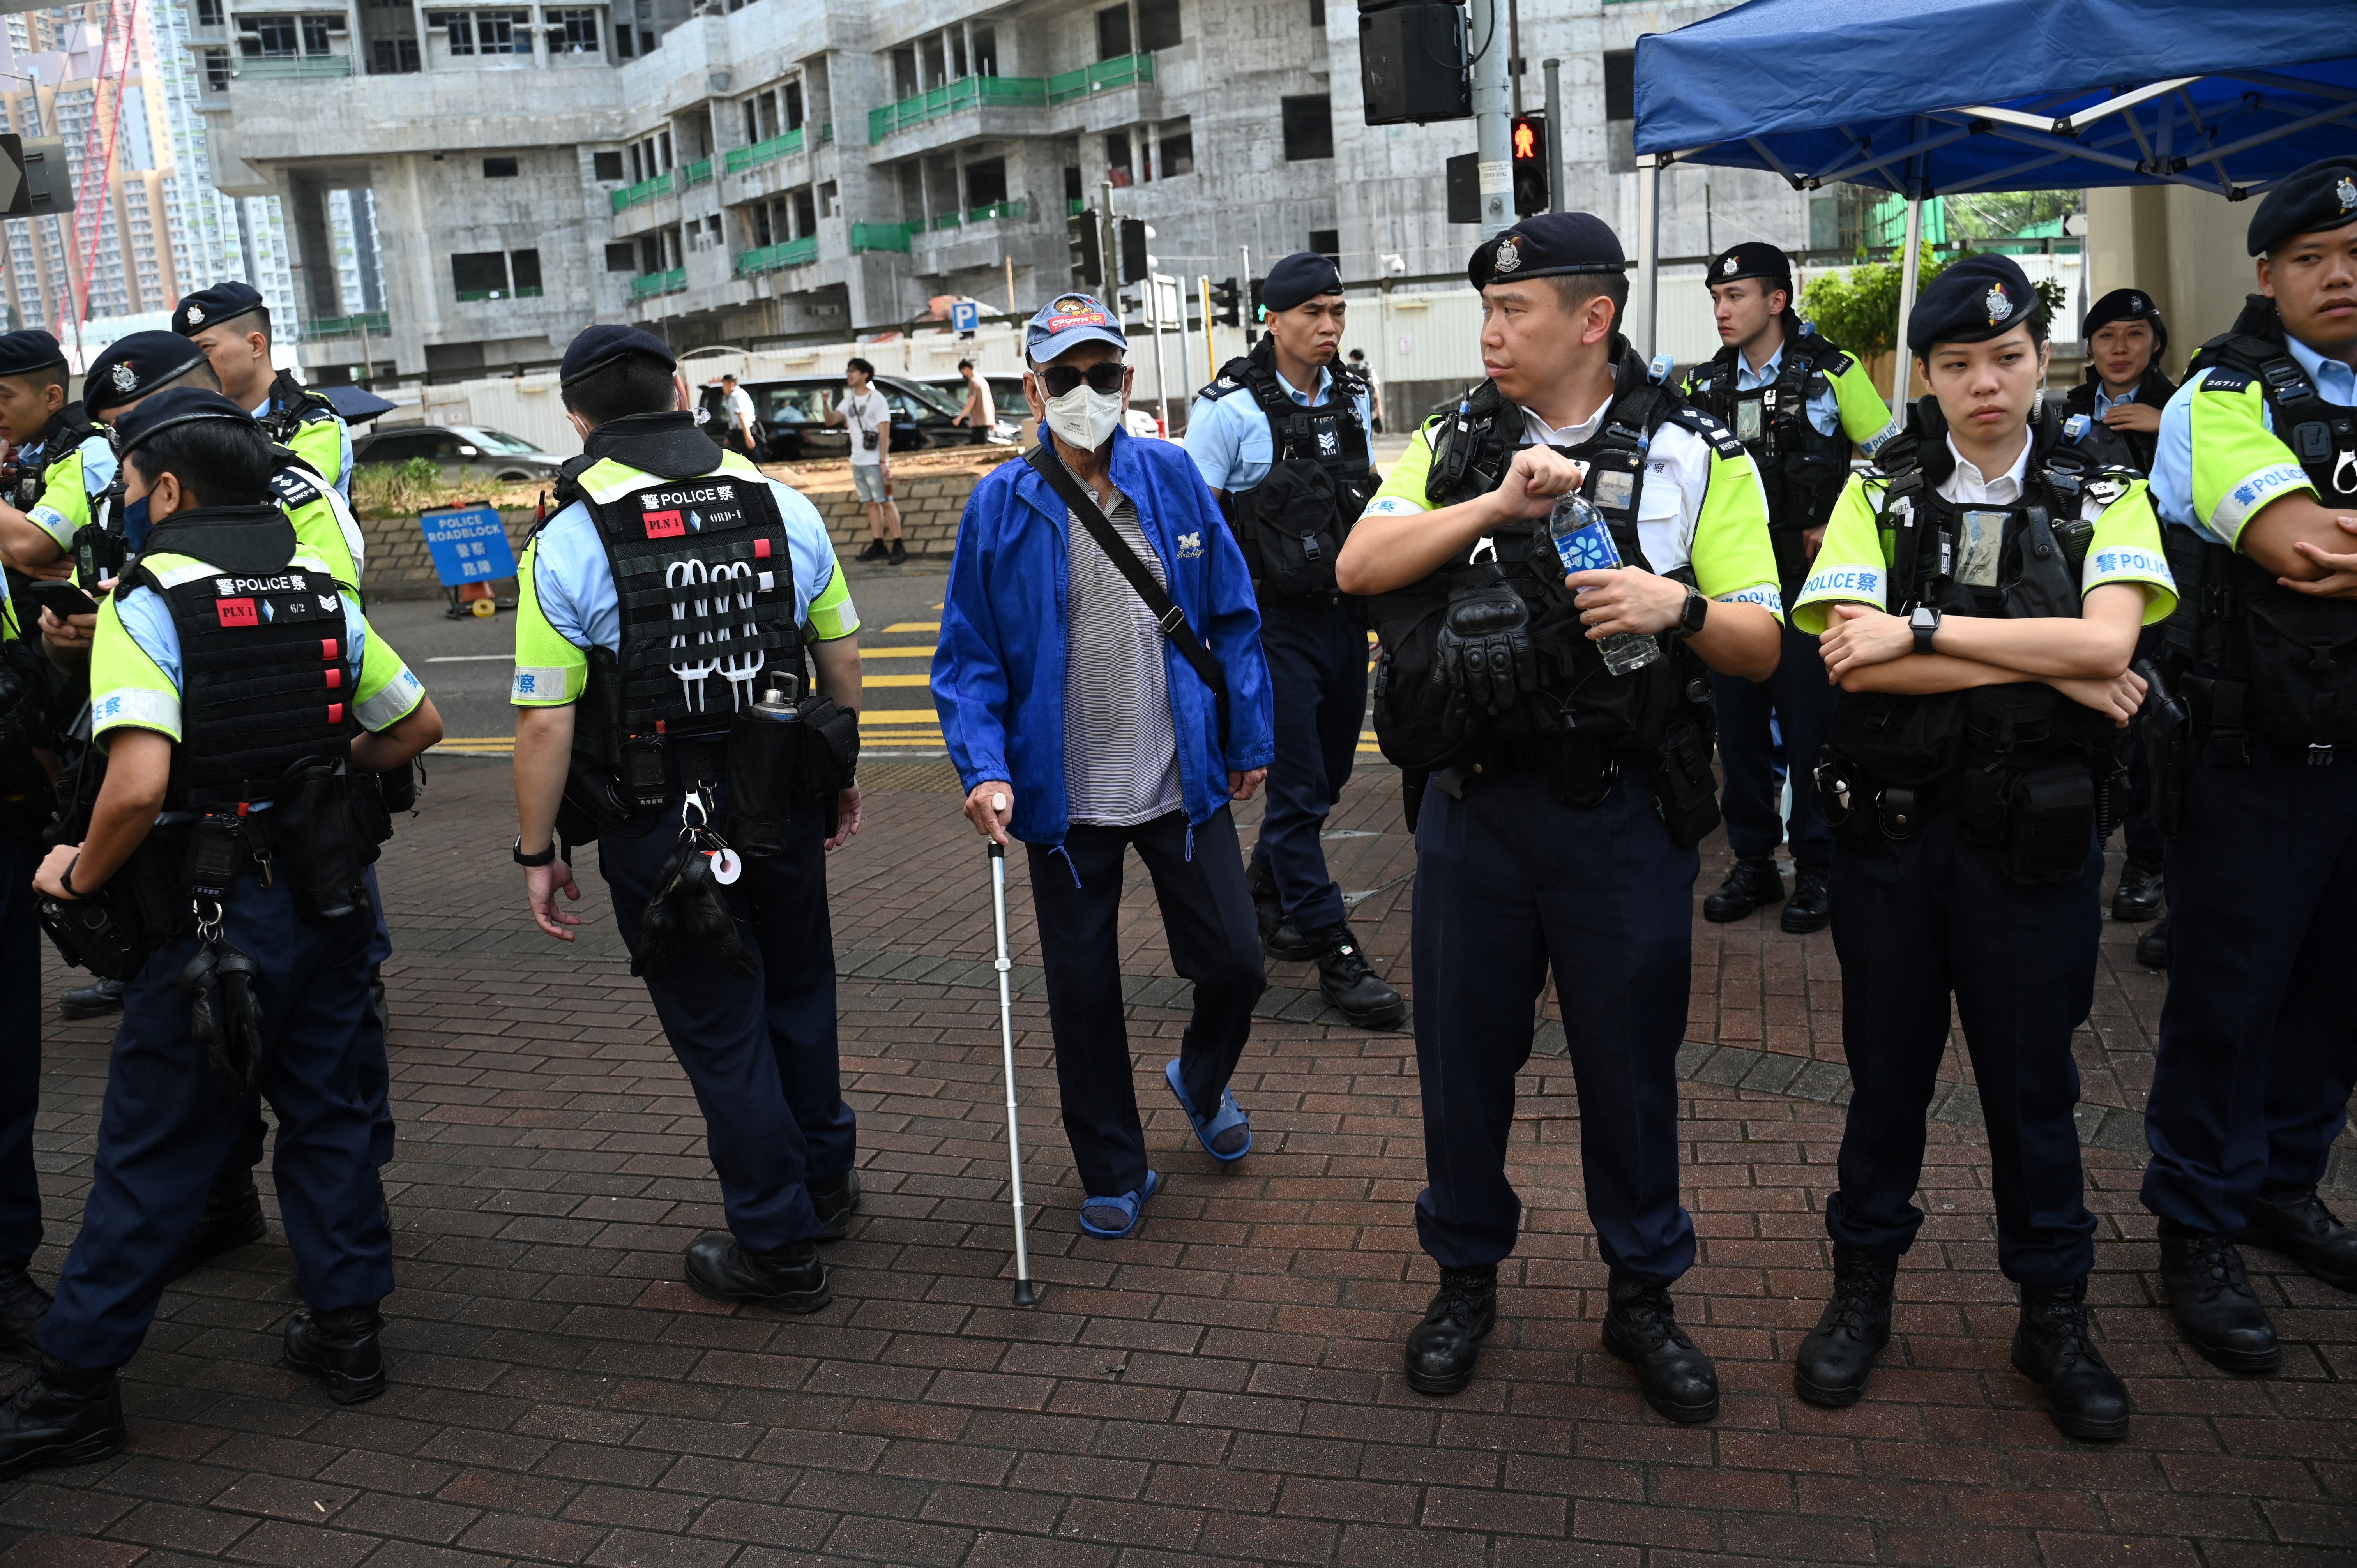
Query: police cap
[2126, 305]
[22, 354]
[1752, 259]
[1979, 297]
[2321, 197]
[599, 347]
[211, 307]
[1547, 245]
[1298, 279]
[135, 365]
[172, 407]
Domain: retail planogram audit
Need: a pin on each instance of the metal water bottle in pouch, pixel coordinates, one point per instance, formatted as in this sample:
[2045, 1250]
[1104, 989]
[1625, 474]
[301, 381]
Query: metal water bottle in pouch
[765, 744]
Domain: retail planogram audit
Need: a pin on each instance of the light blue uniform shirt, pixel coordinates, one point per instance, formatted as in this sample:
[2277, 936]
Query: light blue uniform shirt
[575, 582]
[1823, 410]
[1229, 438]
[97, 473]
[344, 467]
[2105, 402]
[2172, 463]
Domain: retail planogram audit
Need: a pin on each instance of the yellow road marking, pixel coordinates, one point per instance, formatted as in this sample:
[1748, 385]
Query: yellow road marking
[896, 679]
[896, 653]
[914, 626]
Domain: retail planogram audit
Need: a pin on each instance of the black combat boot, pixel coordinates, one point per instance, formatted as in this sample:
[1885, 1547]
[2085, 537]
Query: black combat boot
[1278, 935]
[2152, 948]
[1641, 1328]
[2211, 1299]
[1344, 979]
[1751, 884]
[791, 1279]
[1838, 1354]
[233, 1218]
[2138, 898]
[2297, 1225]
[341, 1347]
[1441, 1349]
[22, 1305]
[62, 1415]
[99, 997]
[835, 1203]
[1812, 907]
[2083, 1396]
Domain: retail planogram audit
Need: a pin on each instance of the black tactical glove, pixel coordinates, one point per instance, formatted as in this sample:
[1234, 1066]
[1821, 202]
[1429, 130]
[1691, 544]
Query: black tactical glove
[688, 916]
[1483, 654]
[225, 1011]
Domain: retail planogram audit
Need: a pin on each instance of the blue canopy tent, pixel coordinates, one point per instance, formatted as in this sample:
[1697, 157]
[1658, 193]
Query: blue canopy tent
[1940, 97]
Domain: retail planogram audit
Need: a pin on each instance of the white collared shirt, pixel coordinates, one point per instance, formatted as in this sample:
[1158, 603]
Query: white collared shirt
[1967, 486]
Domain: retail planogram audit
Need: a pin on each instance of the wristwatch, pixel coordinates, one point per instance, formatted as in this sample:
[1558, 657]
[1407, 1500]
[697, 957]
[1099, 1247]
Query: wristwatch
[544, 857]
[1695, 615]
[1925, 624]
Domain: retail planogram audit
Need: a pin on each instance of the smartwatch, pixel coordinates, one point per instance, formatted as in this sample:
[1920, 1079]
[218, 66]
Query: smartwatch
[544, 857]
[1695, 615]
[1925, 624]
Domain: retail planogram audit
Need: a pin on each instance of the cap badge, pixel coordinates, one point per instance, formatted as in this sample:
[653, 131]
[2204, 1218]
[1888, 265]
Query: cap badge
[196, 316]
[2000, 305]
[125, 378]
[1509, 255]
[2347, 191]
[1729, 268]
[2135, 301]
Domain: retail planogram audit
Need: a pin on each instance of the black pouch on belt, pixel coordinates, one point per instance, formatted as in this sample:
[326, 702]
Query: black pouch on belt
[1685, 792]
[830, 759]
[312, 826]
[766, 745]
[88, 936]
[2049, 825]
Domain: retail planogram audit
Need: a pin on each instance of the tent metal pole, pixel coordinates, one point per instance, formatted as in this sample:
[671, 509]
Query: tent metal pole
[1644, 328]
[1902, 374]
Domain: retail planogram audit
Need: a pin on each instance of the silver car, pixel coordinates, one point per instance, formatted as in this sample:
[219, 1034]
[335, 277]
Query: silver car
[462, 452]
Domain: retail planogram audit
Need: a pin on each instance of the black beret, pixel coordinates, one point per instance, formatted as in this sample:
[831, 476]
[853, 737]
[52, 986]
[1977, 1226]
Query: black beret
[599, 347]
[1298, 279]
[2126, 305]
[22, 354]
[1546, 245]
[133, 366]
[170, 407]
[2321, 197]
[211, 307]
[1752, 259]
[1979, 297]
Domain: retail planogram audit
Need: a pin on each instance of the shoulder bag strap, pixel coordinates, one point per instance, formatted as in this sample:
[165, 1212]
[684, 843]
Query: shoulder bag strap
[1168, 616]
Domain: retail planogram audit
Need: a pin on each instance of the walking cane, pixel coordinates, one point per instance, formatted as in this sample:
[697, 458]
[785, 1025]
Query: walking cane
[1024, 1295]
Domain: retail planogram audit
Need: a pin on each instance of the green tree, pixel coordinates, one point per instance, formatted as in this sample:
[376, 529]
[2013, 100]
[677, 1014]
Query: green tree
[1858, 309]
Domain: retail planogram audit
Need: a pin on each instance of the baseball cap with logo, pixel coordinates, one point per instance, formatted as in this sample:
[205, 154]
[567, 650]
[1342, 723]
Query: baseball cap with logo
[1066, 322]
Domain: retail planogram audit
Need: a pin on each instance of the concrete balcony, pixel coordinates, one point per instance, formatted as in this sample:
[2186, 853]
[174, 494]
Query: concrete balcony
[302, 118]
[980, 237]
[1103, 96]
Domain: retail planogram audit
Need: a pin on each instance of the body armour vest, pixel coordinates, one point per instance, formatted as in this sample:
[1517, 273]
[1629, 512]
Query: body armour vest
[2124, 448]
[292, 406]
[2285, 664]
[1801, 468]
[1576, 696]
[68, 429]
[1293, 522]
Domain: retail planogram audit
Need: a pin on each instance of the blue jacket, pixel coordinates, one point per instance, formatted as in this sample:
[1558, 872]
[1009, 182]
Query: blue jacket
[998, 674]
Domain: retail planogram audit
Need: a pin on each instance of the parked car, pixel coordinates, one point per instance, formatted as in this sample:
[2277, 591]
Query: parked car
[1005, 397]
[793, 415]
[463, 452]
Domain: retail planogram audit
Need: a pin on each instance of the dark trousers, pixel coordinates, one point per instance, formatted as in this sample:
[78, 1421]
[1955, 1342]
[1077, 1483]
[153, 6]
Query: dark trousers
[1318, 678]
[1508, 882]
[2257, 1047]
[760, 1050]
[20, 1050]
[1800, 700]
[168, 1122]
[1207, 913]
[2143, 842]
[1915, 924]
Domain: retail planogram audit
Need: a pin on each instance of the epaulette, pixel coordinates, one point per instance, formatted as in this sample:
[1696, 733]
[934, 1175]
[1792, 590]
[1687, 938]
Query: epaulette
[2222, 379]
[294, 486]
[1220, 388]
[1721, 438]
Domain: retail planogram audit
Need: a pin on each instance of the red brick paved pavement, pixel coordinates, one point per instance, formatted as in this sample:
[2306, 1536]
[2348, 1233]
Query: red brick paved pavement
[1224, 1386]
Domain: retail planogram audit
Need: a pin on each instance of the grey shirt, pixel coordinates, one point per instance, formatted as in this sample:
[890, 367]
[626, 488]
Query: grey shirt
[1121, 749]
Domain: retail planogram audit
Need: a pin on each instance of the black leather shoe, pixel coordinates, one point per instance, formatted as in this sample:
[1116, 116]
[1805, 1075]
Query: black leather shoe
[1812, 905]
[2211, 1297]
[1441, 1349]
[2138, 898]
[1641, 1328]
[2152, 948]
[341, 1347]
[1838, 1354]
[1346, 981]
[22, 1307]
[791, 1280]
[63, 1415]
[91, 1001]
[900, 556]
[877, 550]
[1751, 885]
[1278, 935]
[233, 1218]
[835, 1205]
[2053, 1347]
[2299, 1226]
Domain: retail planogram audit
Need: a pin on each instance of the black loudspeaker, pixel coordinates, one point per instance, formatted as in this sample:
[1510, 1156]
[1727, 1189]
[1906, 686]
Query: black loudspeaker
[1413, 66]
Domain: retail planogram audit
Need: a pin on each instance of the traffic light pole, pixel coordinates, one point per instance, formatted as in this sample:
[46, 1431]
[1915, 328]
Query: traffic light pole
[1493, 116]
[1556, 131]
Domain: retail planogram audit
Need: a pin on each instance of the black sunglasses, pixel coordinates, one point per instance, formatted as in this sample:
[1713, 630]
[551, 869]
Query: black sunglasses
[1104, 376]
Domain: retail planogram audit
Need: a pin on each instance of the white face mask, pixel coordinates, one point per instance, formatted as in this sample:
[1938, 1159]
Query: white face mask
[1085, 417]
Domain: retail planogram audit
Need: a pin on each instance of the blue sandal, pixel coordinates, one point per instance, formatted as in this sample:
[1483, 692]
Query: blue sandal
[1218, 1135]
[1126, 1204]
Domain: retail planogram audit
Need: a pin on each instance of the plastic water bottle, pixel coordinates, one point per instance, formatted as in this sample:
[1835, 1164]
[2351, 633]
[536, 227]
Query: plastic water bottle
[1583, 541]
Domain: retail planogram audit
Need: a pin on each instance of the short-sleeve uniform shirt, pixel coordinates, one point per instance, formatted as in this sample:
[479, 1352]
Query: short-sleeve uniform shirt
[1230, 440]
[2219, 459]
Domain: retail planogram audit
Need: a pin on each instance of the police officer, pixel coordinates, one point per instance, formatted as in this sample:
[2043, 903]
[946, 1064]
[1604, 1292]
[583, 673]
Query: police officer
[1559, 825]
[1979, 594]
[1290, 500]
[230, 323]
[2256, 476]
[2117, 410]
[1797, 403]
[26, 805]
[719, 890]
[236, 694]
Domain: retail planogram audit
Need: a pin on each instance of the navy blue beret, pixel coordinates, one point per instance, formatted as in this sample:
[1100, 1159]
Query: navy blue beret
[1979, 296]
[1298, 279]
[173, 406]
[599, 347]
[2312, 201]
[134, 365]
[211, 307]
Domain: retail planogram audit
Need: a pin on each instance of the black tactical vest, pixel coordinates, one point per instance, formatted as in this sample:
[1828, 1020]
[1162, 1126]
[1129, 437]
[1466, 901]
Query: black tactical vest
[68, 429]
[293, 405]
[2266, 662]
[1292, 523]
[2124, 448]
[1801, 468]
